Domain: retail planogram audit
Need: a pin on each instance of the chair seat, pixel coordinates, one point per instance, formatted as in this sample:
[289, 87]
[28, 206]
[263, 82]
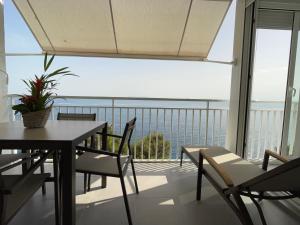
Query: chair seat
[19, 197]
[238, 169]
[6, 159]
[99, 164]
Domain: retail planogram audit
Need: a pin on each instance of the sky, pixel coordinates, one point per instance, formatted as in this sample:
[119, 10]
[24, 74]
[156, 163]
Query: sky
[150, 78]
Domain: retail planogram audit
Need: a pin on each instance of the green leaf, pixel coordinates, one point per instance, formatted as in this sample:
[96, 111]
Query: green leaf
[48, 64]
[45, 61]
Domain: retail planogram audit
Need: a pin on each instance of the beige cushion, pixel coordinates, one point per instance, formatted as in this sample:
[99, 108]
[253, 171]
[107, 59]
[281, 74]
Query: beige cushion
[99, 164]
[238, 169]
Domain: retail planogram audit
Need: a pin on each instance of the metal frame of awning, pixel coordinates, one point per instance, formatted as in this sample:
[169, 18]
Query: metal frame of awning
[126, 56]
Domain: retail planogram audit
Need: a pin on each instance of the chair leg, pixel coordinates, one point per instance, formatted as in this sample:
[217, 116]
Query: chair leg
[261, 194]
[103, 181]
[181, 158]
[84, 182]
[199, 177]
[44, 185]
[89, 182]
[125, 200]
[199, 183]
[134, 177]
[56, 188]
[261, 213]
[242, 213]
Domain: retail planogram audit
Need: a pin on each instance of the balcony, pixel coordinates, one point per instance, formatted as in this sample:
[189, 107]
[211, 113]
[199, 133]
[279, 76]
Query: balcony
[153, 30]
[177, 121]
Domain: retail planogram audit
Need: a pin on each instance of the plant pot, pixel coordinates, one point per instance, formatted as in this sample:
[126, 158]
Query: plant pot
[36, 119]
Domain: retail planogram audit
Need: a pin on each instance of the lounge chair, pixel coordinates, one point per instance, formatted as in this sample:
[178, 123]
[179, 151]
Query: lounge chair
[234, 177]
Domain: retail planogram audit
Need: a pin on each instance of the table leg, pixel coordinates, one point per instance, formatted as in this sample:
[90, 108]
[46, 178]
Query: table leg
[68, 212]
[104, 147]
[56, 188]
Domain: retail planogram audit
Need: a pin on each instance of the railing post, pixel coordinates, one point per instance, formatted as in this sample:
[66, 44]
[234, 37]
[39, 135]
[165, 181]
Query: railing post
[163, 138]
[156, 141]
[178, 128]
[149, 146]
[142, 147]
[206, 124]
[193, 121]
[113, 122]
[171, 134]
[9, 105]
[200, 118]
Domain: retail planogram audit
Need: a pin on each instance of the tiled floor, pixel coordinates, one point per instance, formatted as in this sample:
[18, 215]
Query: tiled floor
[167, 196]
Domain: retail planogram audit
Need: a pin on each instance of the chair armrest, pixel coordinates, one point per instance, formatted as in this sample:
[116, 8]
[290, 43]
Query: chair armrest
[28, 173]
[20, 161]
[269, 153]
[110, 135]
[85, 149]
[218, 168]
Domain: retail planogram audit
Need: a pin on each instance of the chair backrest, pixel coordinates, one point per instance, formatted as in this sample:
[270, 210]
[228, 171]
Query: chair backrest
[79, 117]
[282, 178]
[126, 137]
[76, 116]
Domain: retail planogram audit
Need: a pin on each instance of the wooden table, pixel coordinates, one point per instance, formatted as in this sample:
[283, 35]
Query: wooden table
[62, 135]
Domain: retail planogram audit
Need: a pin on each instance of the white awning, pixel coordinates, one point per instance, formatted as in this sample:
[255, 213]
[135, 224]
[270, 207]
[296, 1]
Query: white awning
[162, 29]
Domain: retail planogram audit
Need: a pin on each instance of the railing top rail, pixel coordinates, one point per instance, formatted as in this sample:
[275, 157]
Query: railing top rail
[137, 107]
[153, 98]
[136, 98]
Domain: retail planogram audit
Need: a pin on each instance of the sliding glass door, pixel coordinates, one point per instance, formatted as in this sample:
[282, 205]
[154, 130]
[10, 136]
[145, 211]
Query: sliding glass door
[268, 82]
[291, 132]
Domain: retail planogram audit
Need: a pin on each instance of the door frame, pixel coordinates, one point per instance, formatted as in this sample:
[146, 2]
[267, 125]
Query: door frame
[290, 78]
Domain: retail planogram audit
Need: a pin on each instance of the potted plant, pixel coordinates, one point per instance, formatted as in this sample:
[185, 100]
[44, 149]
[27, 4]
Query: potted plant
[35, 107]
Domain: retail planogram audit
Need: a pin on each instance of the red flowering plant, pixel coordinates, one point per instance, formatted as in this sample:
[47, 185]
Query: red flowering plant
[41, 89]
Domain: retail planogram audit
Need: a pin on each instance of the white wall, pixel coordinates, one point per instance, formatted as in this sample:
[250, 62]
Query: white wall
[3, 74]
[232, 130]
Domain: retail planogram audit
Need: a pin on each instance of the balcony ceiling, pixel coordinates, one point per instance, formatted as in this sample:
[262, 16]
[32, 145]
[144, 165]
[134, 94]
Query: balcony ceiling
[163, 29]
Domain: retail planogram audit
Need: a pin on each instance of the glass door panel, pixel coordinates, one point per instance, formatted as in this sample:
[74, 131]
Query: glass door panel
[291, 135]
[266, 106]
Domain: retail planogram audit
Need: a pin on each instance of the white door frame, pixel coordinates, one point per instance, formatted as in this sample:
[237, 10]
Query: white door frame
[240, 80]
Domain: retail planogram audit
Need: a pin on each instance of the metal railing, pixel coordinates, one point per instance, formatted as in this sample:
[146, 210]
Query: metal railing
[164, 125]
[264, 132]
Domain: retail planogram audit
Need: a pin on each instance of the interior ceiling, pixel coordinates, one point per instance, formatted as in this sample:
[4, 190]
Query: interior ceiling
[180, 29]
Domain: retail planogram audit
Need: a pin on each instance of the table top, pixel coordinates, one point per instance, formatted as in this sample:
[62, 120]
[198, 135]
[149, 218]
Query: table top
[58, 131]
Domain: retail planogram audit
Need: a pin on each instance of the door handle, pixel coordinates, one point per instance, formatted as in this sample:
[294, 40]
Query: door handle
[294, 91]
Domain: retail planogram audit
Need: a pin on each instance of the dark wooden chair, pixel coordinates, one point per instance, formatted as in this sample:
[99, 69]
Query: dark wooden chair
[16, 190]
[234, 177]
[106, 163]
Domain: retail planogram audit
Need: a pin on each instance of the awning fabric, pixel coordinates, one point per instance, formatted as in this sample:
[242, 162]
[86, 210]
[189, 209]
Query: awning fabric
[163, 29]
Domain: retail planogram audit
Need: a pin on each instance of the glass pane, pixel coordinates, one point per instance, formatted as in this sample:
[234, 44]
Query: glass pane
[294, 127]
[270, 73]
